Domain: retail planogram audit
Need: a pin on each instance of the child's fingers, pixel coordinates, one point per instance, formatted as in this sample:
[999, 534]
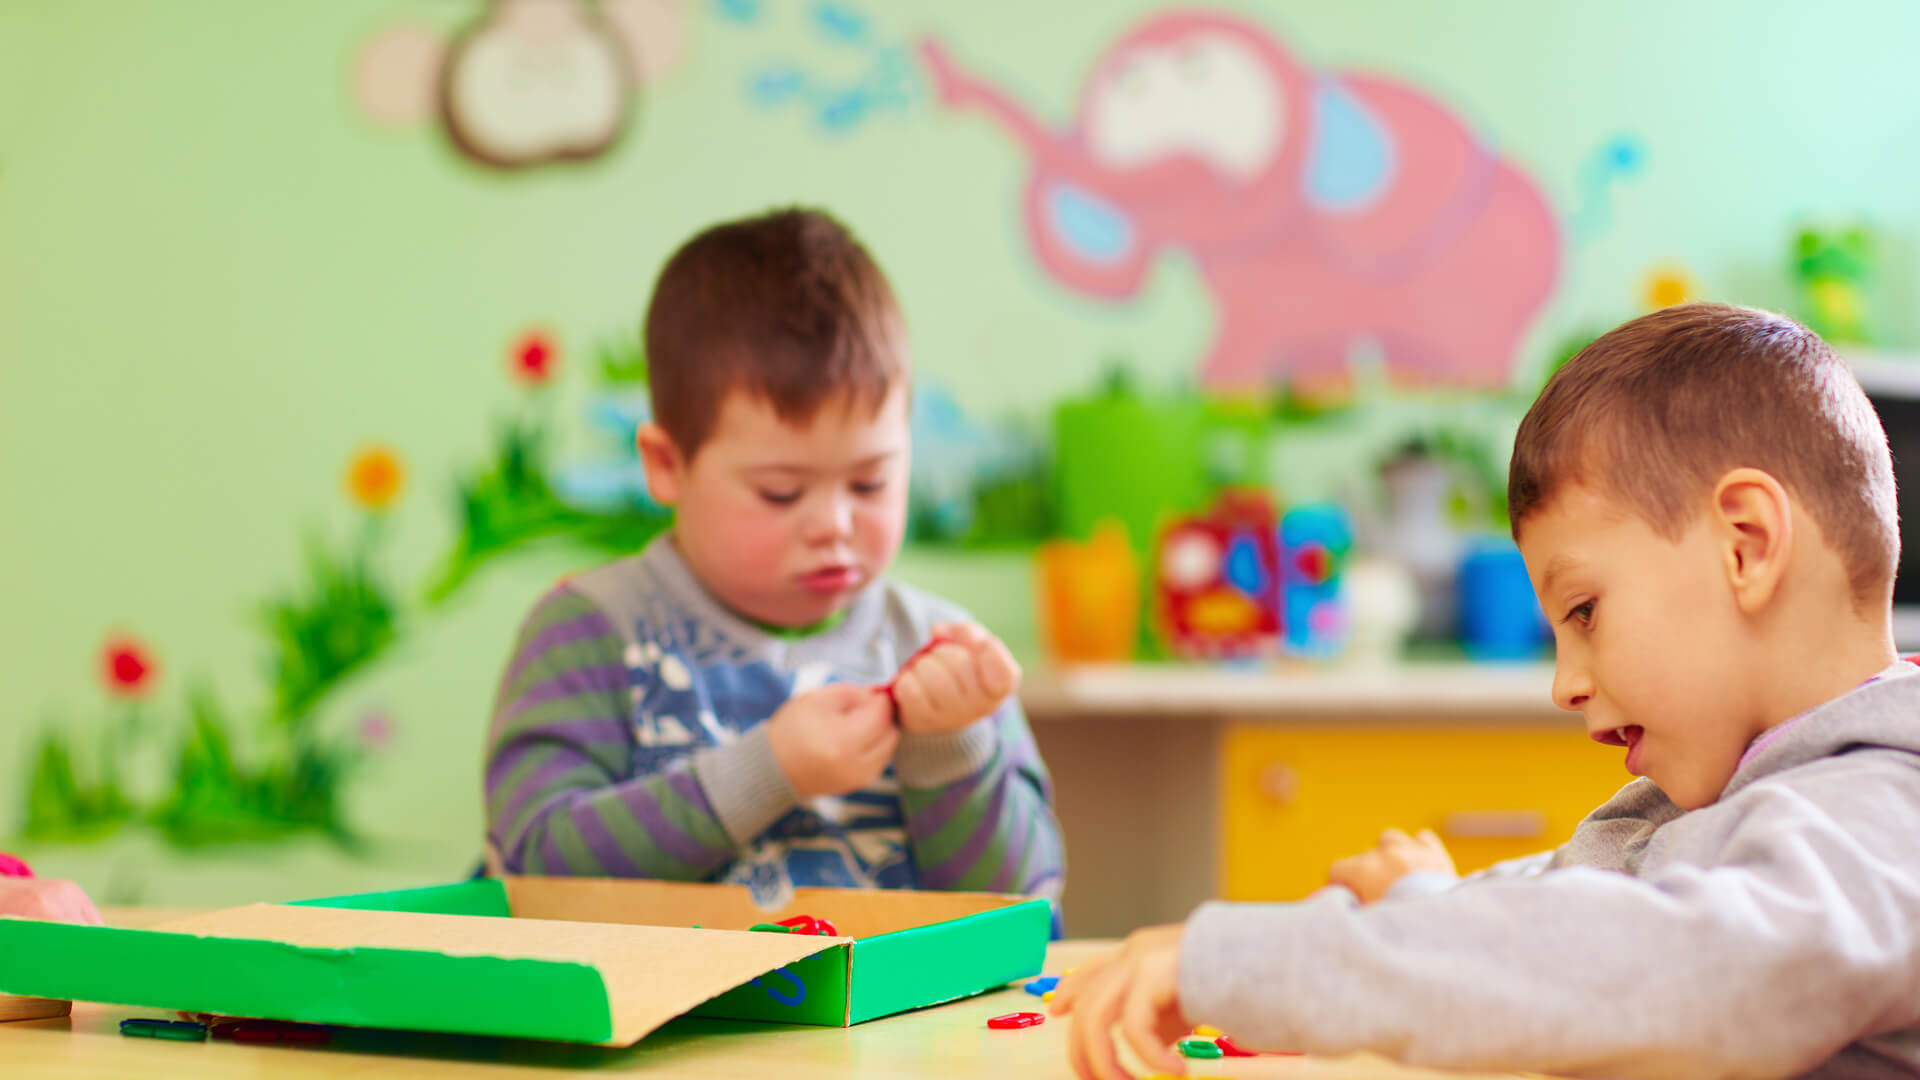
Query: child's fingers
[944, 673]
[1092, 1026]
[963, 633]
[1394, 836]
[1068, 990]
[869, 721]
[1346, 871]
[875, 756]
[911, 692]
[1144, 1004]
[999, 674]
[1429, 838]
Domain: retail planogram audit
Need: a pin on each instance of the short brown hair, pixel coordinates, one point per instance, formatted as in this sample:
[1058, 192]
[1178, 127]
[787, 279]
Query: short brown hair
[1657, 409]
[787, 305]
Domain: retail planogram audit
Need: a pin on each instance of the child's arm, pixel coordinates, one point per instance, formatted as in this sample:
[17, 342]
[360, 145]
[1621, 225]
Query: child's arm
[976, 795]
[559, 797]
[1799, 943]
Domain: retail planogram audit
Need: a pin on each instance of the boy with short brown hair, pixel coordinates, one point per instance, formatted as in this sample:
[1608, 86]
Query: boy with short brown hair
[749, 699]
[1705, 503]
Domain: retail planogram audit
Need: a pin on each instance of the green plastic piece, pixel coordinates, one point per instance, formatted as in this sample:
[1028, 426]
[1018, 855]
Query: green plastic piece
[178, 1030]
[1200, 1048]
[771, 928]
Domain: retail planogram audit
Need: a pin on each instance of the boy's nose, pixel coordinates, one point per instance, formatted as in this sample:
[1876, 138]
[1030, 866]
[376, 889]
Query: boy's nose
[1572, 689]
[832, 520]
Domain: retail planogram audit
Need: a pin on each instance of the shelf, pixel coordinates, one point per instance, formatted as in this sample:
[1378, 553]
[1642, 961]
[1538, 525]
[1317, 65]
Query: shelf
[1455, 691]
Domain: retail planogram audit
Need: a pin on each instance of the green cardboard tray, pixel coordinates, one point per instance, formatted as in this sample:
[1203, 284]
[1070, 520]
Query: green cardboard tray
[575, 960]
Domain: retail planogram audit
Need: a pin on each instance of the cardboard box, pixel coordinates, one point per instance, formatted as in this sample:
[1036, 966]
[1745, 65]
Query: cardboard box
[570, 959]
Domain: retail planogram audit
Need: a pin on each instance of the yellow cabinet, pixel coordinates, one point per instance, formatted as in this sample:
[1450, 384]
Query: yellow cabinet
[1293, 799]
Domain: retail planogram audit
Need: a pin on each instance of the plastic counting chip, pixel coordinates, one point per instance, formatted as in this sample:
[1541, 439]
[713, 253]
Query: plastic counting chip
[1200, 1048]
[163, 1029]
[1230, 1048]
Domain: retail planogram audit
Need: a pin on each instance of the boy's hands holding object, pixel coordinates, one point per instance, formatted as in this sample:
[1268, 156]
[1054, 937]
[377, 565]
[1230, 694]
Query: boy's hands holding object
[960, 678]
[833, 740]
[1371, 873]
[1137, 988]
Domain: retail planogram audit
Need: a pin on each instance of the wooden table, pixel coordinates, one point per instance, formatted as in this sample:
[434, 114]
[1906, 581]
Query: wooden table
[949, 1040]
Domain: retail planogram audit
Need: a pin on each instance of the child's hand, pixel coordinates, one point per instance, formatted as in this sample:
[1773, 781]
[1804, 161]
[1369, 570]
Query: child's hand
[47, 898]
[963, 678]
[1138, 987]
[833, 740]
[1371, 873]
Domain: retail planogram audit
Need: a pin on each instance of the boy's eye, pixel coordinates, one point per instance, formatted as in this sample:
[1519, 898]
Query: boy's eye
[781, 498]
[869, 487]
[1583, 612]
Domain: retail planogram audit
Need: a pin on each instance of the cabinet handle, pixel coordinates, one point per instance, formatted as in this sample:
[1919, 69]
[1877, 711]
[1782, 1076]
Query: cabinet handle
[1280, 783]
[1507, 824]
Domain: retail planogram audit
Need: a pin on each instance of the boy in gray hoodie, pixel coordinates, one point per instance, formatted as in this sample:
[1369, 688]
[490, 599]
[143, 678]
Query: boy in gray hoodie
[1705, 503]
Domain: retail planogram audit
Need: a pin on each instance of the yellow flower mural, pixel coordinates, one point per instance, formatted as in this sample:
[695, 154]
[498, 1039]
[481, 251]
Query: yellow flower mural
[375, 477]
[1666, 286]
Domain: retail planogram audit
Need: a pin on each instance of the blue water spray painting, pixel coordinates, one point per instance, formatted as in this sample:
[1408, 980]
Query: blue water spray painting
[885, 79]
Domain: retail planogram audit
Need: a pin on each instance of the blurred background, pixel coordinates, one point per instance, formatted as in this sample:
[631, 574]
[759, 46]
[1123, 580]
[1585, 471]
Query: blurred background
[322, 362]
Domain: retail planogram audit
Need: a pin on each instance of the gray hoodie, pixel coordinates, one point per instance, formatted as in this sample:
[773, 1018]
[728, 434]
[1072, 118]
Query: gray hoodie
[1772, 933]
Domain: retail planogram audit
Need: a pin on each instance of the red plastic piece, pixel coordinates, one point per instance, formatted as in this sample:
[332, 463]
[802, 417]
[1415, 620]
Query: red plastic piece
[265, 1032]
[1016, 1020]
[808, 924]
[12, 867]
[1231, 1049]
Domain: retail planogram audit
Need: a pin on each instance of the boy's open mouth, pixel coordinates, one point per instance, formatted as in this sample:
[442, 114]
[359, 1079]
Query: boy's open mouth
[1627, 735]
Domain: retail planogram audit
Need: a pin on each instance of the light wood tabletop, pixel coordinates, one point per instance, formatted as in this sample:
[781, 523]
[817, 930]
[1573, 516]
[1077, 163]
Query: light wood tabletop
[947, 1041]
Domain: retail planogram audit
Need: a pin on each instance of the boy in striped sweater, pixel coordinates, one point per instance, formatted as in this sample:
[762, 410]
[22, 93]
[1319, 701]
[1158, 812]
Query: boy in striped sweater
[748, 699]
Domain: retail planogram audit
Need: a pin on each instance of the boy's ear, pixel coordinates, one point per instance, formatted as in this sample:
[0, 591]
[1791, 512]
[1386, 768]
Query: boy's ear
[666, 468]
[1753, 520]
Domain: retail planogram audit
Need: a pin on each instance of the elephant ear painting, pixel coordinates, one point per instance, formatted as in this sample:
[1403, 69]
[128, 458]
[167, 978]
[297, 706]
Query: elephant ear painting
[1325, 212]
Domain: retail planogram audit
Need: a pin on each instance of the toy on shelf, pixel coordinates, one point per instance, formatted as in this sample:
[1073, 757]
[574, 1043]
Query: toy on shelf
[1218, 580]
[1090, 597]
[1315, 541]
[1832, 271]
[1500, 618]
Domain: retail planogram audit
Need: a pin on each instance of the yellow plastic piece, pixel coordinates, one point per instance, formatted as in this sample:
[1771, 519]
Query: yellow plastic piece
[1048, 996]
[1207, 1031]
[1355, 780]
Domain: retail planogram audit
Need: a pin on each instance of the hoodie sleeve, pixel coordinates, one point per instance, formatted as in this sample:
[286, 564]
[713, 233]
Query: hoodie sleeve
[1792, 936]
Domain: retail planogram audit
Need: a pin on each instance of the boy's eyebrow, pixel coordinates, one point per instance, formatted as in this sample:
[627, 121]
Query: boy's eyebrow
[1556, 566]
[808, 470]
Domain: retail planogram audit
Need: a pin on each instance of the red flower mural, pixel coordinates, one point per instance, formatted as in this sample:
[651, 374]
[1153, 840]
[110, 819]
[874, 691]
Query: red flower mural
[534, 357]
[127, 667]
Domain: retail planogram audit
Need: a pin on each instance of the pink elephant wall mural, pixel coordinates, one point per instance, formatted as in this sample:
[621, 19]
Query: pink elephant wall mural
[1322, 210]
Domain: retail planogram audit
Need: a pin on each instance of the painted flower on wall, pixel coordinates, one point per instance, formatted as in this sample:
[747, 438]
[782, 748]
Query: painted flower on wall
[127, 667]
[375, 477]
[1666, 286]
[534, 357]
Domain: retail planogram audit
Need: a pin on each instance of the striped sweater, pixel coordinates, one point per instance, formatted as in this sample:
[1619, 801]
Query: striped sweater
[629, 740]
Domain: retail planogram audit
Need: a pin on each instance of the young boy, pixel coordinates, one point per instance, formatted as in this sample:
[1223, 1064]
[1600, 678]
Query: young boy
[1706, 507]
[717, 707]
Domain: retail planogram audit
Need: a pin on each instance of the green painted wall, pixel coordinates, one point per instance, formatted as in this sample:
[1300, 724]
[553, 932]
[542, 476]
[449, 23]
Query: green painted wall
[218, 280]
